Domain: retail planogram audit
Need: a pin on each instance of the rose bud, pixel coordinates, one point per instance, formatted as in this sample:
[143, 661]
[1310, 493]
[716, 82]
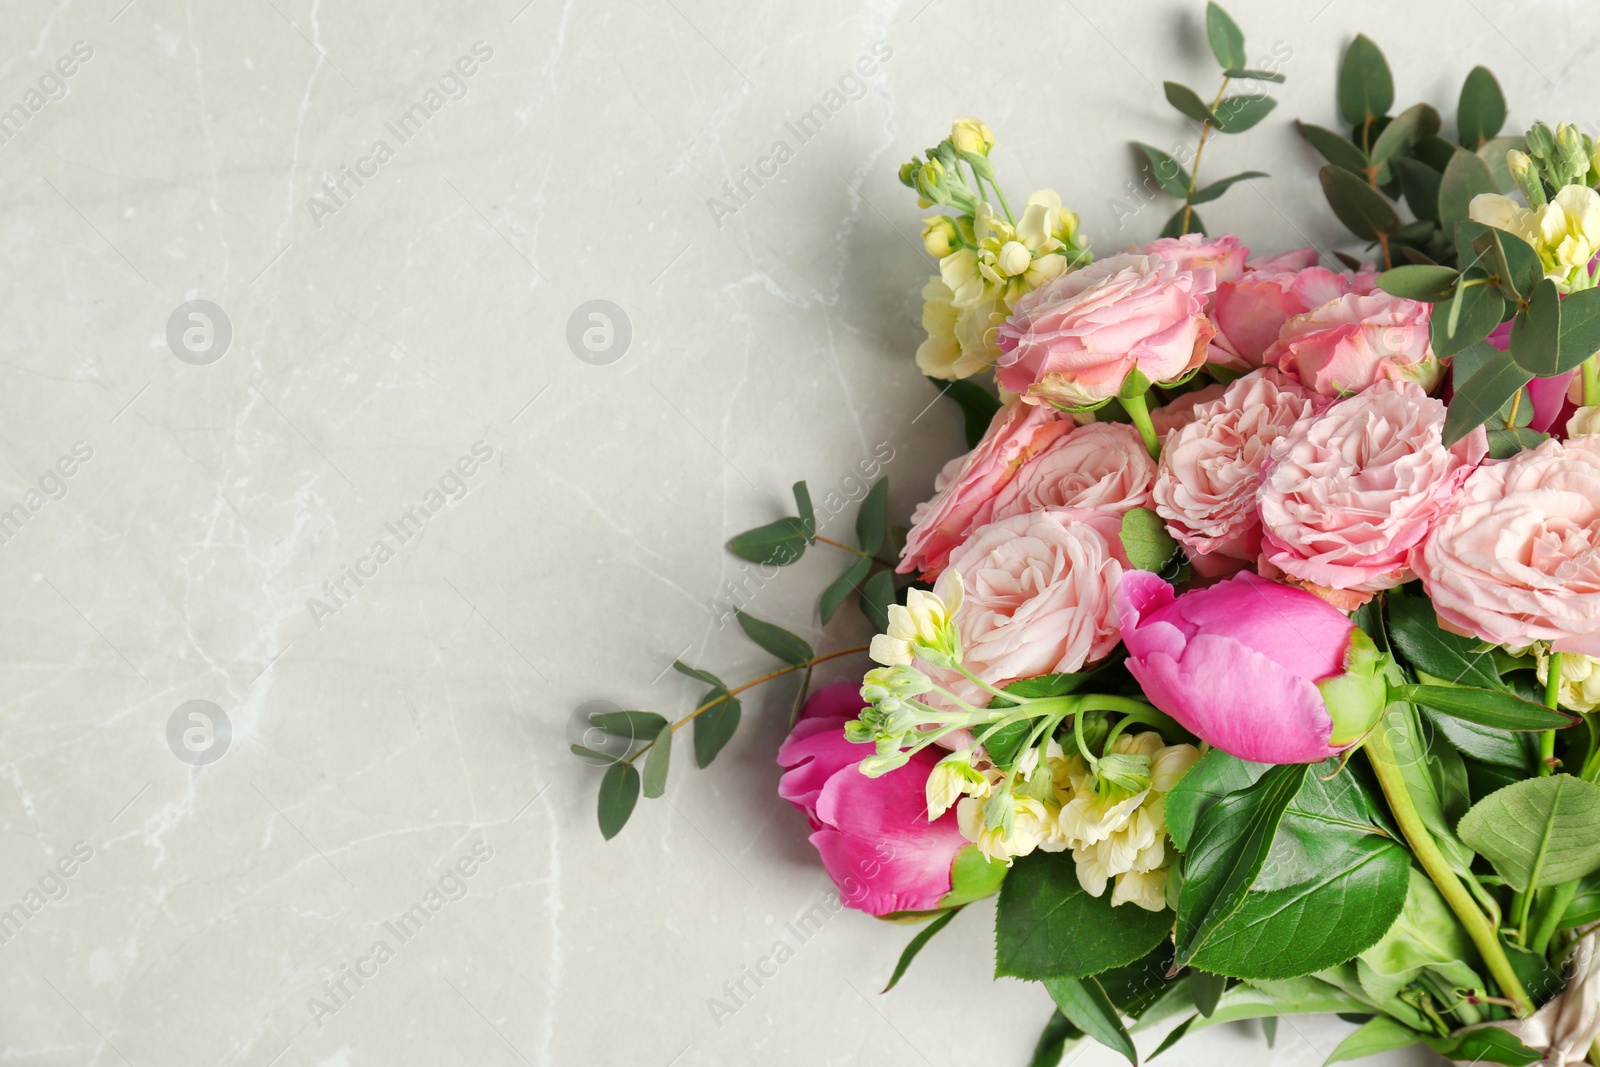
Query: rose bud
[1262, 671]
[874, 835]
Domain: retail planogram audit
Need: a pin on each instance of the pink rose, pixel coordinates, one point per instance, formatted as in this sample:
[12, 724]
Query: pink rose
[1040, 593]
[1195, 251]
[1206, 483]
[1250, 312]
[1348, 494]
[1180, 412]
[966, 488]
[1102, 465]
[1239, 665]
[1294, 260]
[874, 835]
[1346, 344]
[1074, 340]
[1516, 558]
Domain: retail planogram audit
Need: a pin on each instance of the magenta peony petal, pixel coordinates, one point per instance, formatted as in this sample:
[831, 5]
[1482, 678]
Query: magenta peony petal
[1291, 627]
[1238, 700]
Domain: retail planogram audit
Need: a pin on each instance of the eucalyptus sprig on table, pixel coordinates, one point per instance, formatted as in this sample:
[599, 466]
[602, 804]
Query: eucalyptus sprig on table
[1225, 114]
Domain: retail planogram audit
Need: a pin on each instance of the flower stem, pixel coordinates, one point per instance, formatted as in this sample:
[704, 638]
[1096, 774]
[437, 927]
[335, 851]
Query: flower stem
[1591, 382]
[854, 550]
[1138, 409]
[1381, 754]
[1552, 697]
[1200, 150]
[1550, 914]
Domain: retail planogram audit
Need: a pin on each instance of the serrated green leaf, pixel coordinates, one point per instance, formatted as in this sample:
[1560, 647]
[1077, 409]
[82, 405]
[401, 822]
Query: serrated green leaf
[1483, 394]
[1235, 114]
[1145, 540]
[872, 521]
[619, 792]
[1366, 88]
[1047, 926]
[1222, 185]
[1494, 708]
[1168, 174]
[1541, 831]
[1226, 853]
[1249, 74]
[777, 543]
[1227, 40]
[840, 589]
[1419, 283]
[1336, 149]
[789, 647]
[1420, 184]
[808, 514]
[698, 674]
[1364, 211]
[877, 593]
[634, 725]
[1084, 1002]
[1187, 101]
[1481, 110]
[1465, 176]
[1004, 745]
[923, 937]
[656, 764]
[714, 727]
[977, 405]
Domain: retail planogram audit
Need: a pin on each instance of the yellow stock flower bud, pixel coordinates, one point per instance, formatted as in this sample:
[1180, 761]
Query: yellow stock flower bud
[972, 136]
[939, 235]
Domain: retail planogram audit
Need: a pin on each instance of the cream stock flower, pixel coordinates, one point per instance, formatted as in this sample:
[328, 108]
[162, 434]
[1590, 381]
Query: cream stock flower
[1011, 260]
[1565, 232]
[922, 627]
[1580, 677]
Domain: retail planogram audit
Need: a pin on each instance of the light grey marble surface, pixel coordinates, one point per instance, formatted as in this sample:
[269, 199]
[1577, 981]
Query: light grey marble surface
[416, 320]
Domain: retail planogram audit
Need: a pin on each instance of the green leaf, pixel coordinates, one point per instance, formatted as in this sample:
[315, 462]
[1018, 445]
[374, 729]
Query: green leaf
[1005, 744]
[1364, 211]
[1188, 102]
[872, 521]
[714, 727]
[1206, 989]
[1465, 176]
[1378, 1035]
[1580, 328]
[656, 764]
[977, 405]
[1046, 685]
[1503, 443]
[1217, 188]
[1235, 114]
[877, 593]
[808, 514]
[1536, 332]
[1047, 926]
[1085, 1003]
[1487, 707]
[1175, 1035]
[1168, 174]
[1541, 831]
[1248, 74]
[619, 792]
[1366, 88]
[775, 639]
[1487, 1045]
[698, 674]
[1510, 261]
[1414, 629]
[777, 543]
[1184, 220]
[1226, 853]
[1336, 149]
[1482, 108]
[1467, 318]
[1417, 121]
[923, 937]
[1145, 539]
[634, 725]
[1493, 154]
[1053, 1041]
[1269, 1029]
[1227, 40]
[600, 758]
[1420, 183]
[838, 592]
[1415, 282]
[1482, 395]
[801, 691]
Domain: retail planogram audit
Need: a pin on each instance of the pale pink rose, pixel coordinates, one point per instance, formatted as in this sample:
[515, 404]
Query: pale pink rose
[1040, 593]
[1516, 558]
[1348, 494]
[1206, 482]
[1180, 412]
[1074, 340]
[964, 491]
[1250, 311]
[1103, 465]
[1297, 259]
[1193, 251]
[1348, 343]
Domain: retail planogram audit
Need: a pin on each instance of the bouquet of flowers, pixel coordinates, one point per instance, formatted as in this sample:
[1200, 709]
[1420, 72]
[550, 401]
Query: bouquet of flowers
[1252, 652]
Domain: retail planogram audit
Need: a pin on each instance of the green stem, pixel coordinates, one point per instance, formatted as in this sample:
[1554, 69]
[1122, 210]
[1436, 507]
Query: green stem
[1552, 698]
[1550, 914]
[1200, 150]
[991, 690]
[1138, 409]
[1381, 754]
[1591, 382]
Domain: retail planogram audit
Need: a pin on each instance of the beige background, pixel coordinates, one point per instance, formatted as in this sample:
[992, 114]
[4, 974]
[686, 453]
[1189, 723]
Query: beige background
[375, 341]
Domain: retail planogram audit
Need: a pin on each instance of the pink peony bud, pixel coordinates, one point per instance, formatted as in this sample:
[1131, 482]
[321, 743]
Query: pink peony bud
[874, 835]
[1262, 671]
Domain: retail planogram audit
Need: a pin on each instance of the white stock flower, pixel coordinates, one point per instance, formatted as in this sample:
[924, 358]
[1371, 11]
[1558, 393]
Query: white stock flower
[1565, 232]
